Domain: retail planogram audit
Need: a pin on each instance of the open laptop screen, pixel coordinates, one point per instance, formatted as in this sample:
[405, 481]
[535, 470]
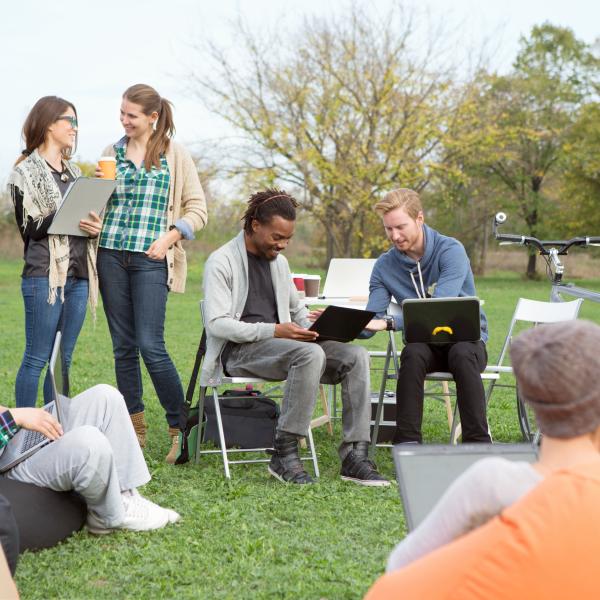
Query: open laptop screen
[425, 472]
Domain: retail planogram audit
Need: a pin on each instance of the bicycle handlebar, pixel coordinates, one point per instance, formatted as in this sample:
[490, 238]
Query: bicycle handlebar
[543, 246]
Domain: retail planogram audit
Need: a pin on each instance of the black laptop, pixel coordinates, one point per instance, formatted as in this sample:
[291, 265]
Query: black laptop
[441, 320]
[340, 323]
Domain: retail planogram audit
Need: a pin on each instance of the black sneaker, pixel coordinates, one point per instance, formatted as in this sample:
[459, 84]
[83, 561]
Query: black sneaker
[359, 468]
[285, 463]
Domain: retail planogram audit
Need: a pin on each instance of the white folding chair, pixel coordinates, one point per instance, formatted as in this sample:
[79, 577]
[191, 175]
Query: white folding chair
[223, 450]
[533, 312]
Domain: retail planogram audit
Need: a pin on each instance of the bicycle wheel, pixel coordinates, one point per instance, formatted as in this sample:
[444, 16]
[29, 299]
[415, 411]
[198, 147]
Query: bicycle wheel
[527, 421]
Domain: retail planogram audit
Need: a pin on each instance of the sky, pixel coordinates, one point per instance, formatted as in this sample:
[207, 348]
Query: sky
[90, 52]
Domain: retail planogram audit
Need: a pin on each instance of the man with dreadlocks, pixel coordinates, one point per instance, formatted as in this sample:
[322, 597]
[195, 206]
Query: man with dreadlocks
[257, 326]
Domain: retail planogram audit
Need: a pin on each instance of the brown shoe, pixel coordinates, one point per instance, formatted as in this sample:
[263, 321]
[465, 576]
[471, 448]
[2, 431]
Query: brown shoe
[174, 450]
[139, 425]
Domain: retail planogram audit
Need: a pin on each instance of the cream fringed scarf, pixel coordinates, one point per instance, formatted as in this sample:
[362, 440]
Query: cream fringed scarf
[41, 197]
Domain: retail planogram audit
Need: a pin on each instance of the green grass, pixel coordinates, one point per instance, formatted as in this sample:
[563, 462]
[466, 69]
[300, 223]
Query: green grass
[251, 537]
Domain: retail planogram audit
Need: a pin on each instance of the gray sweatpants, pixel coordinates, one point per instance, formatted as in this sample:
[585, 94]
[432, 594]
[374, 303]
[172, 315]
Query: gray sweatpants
[304, 365]
[98, 455]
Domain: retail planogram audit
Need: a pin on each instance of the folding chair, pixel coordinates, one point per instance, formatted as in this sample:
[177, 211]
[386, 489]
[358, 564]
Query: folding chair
[391, 357]
[223, 450]
[535, 313]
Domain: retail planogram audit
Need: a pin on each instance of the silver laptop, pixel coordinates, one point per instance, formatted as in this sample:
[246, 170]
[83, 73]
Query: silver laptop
[425, 472]
[27, 442]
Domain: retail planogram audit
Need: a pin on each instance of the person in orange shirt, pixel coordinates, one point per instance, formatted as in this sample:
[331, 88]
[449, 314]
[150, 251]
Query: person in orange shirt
[547, 544]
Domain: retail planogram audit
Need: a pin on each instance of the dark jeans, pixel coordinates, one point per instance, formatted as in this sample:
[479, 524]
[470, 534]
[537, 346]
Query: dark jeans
[42, 321]
[134, 293]
[466, 361]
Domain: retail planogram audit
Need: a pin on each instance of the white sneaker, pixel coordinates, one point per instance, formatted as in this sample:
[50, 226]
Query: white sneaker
[140, 515]
[172, 515]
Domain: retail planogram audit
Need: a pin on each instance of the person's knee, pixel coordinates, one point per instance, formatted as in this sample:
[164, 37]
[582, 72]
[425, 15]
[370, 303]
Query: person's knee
[415, 353]
[152, 350]
[86, 446]
[357, 355]
[463, 355]
[35, 363]
[310, 358]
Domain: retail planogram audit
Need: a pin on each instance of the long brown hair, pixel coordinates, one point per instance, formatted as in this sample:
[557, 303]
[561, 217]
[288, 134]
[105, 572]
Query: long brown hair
[150, 101]
[45, 111]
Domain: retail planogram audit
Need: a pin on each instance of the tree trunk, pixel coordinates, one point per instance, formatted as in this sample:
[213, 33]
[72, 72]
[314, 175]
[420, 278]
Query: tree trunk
[484, 248]
[531, 273]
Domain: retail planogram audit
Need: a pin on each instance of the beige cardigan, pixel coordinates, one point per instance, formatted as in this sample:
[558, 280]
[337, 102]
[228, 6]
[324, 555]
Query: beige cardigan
[186, 201]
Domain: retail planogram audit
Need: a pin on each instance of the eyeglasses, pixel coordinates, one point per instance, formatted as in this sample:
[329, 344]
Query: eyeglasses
[71, 120]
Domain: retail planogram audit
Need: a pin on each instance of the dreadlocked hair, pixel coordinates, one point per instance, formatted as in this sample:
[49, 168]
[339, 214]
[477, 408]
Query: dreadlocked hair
[265, 205]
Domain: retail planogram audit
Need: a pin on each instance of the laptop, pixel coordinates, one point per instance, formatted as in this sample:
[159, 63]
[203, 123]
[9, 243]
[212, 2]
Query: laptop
[27, 442]
[340, 323]
[425, 472]
[441, 320]
[348, 278]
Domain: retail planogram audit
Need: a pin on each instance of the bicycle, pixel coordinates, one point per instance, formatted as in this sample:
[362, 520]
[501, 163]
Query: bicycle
[550, 250]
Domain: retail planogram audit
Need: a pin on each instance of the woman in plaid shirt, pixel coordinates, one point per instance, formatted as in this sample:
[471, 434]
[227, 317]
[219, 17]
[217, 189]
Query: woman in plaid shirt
[158, 202]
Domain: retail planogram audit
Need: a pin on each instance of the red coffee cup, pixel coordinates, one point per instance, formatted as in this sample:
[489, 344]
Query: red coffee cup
[299, 283]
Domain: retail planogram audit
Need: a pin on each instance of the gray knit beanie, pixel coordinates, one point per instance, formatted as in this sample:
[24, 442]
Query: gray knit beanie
[557, 368]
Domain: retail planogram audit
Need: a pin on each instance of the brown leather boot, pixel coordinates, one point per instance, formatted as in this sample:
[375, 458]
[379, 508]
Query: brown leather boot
[174, 450]
[139, 425]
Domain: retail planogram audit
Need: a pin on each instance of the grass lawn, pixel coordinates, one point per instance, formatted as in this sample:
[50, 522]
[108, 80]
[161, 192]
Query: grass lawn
[252, 537]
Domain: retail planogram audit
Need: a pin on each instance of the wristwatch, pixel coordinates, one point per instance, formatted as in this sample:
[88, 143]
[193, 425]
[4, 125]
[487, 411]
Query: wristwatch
[390, 324]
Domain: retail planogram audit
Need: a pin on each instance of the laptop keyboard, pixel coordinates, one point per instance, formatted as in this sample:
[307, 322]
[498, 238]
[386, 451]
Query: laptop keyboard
[33, 438]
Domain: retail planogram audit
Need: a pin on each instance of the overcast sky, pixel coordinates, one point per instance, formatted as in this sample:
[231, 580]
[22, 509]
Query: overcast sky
[89, 52]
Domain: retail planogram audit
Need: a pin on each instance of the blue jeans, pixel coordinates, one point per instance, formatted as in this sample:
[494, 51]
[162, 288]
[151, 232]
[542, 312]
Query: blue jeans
[134, 293]
[42, 321]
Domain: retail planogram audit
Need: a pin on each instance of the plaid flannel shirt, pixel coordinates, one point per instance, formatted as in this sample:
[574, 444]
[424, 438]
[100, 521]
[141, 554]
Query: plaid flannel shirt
[136, 214]
[8, 428]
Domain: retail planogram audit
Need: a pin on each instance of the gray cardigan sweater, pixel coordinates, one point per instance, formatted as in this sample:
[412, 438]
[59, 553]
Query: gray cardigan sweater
[225, 286]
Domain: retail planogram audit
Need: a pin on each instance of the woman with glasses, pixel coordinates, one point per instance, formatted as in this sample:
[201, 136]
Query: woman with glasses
[158, 202]
[59, 274]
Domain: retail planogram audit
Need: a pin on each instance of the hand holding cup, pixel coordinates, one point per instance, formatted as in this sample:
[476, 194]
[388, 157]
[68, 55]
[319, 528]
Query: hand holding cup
[107, 167]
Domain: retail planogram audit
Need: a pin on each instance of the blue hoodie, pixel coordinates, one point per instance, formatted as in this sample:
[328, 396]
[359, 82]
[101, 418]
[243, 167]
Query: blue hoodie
[445, 269]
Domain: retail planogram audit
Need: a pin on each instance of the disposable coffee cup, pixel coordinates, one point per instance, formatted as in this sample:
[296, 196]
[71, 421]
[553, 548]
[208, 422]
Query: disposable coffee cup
[311, 285]
[108, 165]
[298, 279]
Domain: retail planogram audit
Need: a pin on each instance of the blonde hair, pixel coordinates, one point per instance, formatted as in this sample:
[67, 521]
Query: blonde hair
[403, 198]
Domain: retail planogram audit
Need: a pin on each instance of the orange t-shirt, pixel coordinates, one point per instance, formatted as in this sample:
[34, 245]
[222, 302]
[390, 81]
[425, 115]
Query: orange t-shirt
[546, 546]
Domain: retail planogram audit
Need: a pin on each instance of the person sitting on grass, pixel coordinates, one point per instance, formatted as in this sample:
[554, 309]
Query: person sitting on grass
[548, 541]
[257, 326]
[95, 452]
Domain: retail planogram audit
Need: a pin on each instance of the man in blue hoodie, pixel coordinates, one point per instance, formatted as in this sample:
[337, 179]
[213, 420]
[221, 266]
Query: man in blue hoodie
[421, 264]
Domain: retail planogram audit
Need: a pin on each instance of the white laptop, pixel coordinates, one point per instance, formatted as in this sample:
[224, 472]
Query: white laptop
[348, 278]
[27, 442]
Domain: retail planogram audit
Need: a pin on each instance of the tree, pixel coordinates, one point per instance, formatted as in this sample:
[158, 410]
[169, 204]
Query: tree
[341, 111]
[582, 175]
[536, 106]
